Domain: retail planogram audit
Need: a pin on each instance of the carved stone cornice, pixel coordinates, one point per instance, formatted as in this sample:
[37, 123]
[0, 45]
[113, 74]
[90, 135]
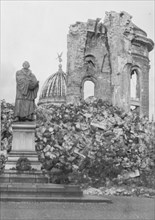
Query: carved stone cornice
[144, 41]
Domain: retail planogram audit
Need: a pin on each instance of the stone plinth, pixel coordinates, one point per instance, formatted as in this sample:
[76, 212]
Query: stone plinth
[23, 136]
[39, 192]
[35, 186]
[25, 177]
[23, 145]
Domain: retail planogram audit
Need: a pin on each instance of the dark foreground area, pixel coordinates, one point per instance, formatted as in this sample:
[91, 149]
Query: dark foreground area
[125, 208]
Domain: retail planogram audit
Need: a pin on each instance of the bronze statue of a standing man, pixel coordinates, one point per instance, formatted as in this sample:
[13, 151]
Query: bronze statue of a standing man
[26, 93]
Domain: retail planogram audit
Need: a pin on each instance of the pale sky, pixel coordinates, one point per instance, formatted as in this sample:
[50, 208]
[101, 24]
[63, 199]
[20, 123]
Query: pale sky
[37, 30]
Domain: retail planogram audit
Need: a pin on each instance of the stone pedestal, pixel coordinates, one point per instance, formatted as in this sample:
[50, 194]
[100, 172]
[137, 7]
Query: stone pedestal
[31, 185]
[23, 145]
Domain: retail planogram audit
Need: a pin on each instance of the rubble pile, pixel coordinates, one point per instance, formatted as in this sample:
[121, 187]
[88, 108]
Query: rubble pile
[96, 143]
[121, 191]
[93, 143]
[7, 111]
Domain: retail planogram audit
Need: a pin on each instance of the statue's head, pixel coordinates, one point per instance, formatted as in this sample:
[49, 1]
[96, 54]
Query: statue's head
[26, 65]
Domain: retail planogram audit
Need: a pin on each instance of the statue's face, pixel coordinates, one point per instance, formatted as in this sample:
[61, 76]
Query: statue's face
[26, 65]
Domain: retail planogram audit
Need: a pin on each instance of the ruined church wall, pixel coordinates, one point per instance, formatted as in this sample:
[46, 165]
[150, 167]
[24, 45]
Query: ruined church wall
[120, 56]
[106, 53]
[96, 47]
[76, 41]
[88, 59]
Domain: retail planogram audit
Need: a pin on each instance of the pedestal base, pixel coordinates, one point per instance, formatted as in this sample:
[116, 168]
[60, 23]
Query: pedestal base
[23, 145]
[37, 191]
[30, 155]
[33, 185]
[23, 177]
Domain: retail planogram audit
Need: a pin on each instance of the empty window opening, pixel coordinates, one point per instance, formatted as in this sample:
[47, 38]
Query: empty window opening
[134, 85]
[134, 91]
[88, 89]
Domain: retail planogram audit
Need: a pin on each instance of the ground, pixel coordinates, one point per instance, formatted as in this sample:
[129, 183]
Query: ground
[122, 208]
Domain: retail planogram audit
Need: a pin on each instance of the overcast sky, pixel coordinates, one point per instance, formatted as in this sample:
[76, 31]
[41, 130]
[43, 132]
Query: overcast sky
[37, 30]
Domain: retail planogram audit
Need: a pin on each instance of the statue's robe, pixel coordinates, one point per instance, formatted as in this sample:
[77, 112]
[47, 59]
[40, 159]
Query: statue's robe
[26, 92]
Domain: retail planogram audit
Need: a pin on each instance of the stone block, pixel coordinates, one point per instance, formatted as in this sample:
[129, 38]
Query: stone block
[23, 145]
[23, 136]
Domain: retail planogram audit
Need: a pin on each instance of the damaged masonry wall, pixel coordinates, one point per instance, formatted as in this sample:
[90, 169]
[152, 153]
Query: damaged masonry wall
[107, 53]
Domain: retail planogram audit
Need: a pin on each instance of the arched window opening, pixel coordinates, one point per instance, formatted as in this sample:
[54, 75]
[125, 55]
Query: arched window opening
[134, 85]
[134, 91]
[88, 89]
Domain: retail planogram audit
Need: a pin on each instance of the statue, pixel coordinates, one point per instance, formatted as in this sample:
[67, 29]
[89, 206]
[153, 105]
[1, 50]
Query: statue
[59, 57]
[26, 93]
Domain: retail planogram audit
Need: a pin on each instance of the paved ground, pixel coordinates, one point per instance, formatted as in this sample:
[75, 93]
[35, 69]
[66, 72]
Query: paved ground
[123, 208]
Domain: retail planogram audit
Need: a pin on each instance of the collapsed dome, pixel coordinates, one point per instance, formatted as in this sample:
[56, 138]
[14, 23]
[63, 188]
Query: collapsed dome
[54, 89]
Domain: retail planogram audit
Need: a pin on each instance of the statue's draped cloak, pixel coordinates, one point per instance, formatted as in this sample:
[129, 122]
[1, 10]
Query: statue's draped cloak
[26, 92]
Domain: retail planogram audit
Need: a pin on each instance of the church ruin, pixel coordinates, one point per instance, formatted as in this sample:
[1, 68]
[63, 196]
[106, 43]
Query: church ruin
[112, 54]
